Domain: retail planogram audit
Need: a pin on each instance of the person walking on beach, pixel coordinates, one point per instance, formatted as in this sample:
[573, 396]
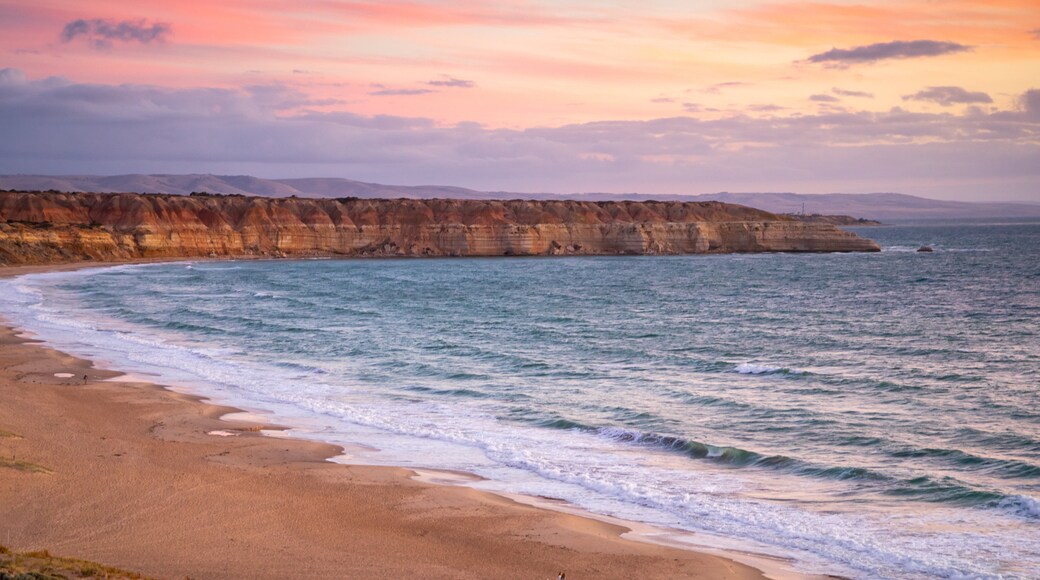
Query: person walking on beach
[562, 576]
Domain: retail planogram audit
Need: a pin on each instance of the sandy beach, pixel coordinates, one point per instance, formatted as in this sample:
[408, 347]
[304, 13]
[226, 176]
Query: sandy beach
[129, 474]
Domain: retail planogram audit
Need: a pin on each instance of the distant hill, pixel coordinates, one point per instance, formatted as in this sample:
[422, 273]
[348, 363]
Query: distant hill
[320, 187]
[879, 206]
[876, 206]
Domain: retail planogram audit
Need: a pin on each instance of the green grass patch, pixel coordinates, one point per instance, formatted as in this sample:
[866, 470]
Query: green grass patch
[9, 435]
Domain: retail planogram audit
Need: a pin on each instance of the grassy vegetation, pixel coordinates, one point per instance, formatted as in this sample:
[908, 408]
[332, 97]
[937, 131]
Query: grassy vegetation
[23, 466]
[9, 435]
[42, 565]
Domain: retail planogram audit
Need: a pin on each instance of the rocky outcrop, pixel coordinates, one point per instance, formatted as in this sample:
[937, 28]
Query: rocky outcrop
[38, 227]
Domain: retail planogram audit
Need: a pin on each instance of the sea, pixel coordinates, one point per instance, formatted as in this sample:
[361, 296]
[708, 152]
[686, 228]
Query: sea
[865, 415]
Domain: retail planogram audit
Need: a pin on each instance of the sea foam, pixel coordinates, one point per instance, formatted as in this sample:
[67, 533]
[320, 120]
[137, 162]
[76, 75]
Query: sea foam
[760, 369]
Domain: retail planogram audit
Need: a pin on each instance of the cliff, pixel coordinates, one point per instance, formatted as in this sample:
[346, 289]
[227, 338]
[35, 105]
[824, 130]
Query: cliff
[41, 227]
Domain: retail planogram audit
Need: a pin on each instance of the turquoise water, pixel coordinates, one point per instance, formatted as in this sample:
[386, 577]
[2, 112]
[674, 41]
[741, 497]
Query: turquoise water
[874, 415]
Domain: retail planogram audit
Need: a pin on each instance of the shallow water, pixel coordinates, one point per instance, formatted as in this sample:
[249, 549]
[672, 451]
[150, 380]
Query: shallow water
[875, 415]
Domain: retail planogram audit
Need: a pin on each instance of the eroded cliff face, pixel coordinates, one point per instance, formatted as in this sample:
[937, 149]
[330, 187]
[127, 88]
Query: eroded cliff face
[61, 227]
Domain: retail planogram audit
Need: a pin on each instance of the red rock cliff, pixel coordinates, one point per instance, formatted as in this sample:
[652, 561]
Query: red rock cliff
[45, 227]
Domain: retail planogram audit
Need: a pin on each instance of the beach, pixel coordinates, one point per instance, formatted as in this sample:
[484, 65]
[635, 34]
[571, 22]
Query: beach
[513, 417]
[137, 476]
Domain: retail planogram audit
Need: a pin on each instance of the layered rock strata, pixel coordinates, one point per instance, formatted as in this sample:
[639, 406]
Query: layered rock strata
[41, 227]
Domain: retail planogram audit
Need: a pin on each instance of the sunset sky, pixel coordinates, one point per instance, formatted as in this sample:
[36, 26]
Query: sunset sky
[936, 98]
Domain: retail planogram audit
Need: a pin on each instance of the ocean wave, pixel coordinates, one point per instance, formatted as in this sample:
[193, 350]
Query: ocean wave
[1009, 468]
[1021, 505]
[695, 449]
[734, 456]
[712, 401]
[923, 488]
[311, 370]
[1002, 441]
[448, 392]
[858, 546]
[757, 369]
[566, 424]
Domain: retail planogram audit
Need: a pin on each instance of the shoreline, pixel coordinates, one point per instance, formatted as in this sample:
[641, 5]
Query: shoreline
[634, 549]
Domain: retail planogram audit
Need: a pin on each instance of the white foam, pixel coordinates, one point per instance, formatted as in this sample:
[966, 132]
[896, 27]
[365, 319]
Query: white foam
[758, 369]
[900, 249]
[753, 369]
[64, 375]
[247, 417]
[1021, 505]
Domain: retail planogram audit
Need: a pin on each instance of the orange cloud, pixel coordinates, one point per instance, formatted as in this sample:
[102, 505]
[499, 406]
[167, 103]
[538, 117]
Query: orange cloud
[398, 13]
[805, 23]
[533, 60]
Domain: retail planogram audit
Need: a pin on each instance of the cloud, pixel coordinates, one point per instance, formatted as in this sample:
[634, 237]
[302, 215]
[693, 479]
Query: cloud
[765, 108]
[11, 76]
[845, 93]
[662, 100]
[824, 99]
[280, 97]
[448, 81]
[1030, 101]
[947, 96]
[102, 33]
[55, 126]
[717, 87]
[409, 13]
[400, 92]
[1036, 33]
[898, 49]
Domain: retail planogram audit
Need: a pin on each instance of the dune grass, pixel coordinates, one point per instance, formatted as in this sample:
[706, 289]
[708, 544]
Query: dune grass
[41, 565]
[26, 466]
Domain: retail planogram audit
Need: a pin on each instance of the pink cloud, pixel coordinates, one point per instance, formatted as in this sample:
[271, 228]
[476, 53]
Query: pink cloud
[56, 126]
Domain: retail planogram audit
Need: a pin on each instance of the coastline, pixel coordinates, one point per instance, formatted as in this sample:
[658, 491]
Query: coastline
[50, 226]
[133, 476]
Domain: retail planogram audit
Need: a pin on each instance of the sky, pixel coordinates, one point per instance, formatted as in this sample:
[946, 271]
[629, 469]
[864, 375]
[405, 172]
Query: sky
[939, 98]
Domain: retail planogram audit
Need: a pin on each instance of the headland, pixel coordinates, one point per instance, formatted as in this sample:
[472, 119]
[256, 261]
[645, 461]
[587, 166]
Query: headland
[53, 227]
